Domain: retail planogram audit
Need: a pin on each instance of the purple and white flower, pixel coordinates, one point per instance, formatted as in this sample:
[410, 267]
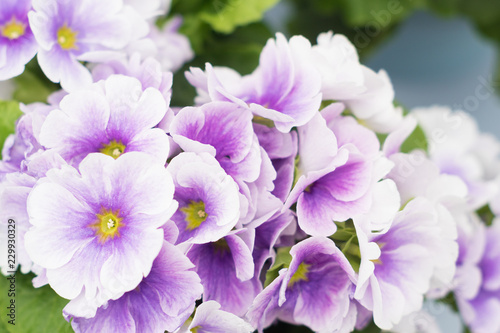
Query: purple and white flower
[223, 130]
[478, 275]
[397, 265]
[99, 214]
[314, 291]
[115, 117]
[163, 300]
[334, 184]
[226, 269]
[208, 198]
[73, 31]
[456, 146]
[17, 43]
[285, 88]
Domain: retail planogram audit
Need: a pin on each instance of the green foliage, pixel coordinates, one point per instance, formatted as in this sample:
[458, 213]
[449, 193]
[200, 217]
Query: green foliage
[32, 85]
[283, 259]
[204, 18]
[37, 310]
[9, 112]
[229, 14]
[239, 50]
[486, 214]
[416, 140]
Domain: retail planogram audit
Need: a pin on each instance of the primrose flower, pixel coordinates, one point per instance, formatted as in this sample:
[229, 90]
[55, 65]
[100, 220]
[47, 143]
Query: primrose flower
[455, 146]
[17, 44]
[19, 147]
[478, 274]
[210, 318]
[162, 301]
[115, 117]
[397, 265]
[314, 291]
[14, 191]
[207, 196]
[69, 31]
[334, 184]
[223, 130]
[285, 88]
[147, 71]
[100, 214]
[171, 48]
[226, 269]
[337, 60]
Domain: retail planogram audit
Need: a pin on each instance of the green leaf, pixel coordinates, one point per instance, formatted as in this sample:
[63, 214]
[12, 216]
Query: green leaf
[32, 85]
[416, 140]
[370, 328]
[486, 214]
[37, 310]
[283, 259]
[9, 112]
[225, 16]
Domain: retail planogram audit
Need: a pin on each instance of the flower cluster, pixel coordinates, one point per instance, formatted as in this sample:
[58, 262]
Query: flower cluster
[285, 194]
[62, 33]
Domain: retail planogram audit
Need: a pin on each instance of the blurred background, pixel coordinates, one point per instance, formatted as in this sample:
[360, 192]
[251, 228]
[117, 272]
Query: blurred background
[437, 61]
[432, 60]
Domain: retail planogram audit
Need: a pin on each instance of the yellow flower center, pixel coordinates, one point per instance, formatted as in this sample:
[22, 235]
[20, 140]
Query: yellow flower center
[107, 225]
[299, 275]
[195, 214]
[13, 29]
[195, 329]
[113, 148]
[66, 38]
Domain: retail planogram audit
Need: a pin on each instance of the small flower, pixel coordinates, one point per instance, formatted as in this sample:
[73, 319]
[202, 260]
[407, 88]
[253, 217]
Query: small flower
[478, 275]
[397, 265]
[207, 196]
[223, 130]
[17, 44]
[69, 31]
[114, 118]
[333, 184]
[147, 71]
[314, 291]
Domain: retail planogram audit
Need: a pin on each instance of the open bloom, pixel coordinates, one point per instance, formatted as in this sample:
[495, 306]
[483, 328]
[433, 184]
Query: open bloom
[101, 215]
[314, 291]
[456, 146]
[223, 130]
[397, 265]
[285, 88]
[114, 117]
[207, 196]
[334, 185]
[69, 31]
[17, 44]
[162, 301]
